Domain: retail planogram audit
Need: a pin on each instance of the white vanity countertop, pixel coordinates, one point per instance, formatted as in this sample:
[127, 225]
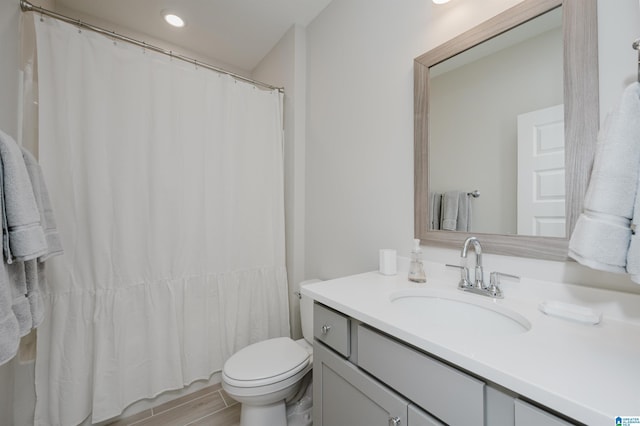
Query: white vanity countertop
[588, 372]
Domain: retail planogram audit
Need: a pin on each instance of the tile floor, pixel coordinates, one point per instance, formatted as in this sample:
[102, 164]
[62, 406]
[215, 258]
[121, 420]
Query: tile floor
[210, 406]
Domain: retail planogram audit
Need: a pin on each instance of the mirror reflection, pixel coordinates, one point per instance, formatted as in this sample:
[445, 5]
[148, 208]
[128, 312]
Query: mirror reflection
[496, 126]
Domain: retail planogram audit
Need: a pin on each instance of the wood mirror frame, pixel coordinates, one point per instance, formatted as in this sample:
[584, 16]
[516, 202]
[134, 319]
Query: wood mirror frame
[581, 116]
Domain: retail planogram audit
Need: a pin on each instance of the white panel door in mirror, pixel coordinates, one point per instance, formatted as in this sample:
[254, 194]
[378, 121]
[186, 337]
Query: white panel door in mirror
[541, 171]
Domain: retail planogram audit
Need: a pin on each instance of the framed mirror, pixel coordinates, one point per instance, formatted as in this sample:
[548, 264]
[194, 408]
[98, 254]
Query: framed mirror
[506, 121]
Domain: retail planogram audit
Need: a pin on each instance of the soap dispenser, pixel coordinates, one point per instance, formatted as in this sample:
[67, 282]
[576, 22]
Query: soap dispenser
[416, 268]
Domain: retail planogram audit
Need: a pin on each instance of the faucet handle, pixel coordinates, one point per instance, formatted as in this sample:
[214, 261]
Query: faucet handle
[494, 282]
[464, 275]
[494, 277]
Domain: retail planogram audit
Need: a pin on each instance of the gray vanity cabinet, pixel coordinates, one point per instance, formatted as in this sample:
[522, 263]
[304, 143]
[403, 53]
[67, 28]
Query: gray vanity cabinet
[362, 377]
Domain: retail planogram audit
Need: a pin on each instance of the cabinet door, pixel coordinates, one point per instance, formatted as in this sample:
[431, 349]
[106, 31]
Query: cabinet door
[417, 417]
[528, 415]
[344, 395]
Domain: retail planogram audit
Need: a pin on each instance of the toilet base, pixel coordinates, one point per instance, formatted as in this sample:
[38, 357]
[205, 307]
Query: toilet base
[263, 415]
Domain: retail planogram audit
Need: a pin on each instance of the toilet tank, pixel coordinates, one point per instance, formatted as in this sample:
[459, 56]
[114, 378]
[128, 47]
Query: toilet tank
[306, 312]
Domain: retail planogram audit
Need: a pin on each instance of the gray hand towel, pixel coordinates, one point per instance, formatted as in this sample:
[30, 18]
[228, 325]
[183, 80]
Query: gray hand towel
[47, 219]
[24, 238]
[35, 280]
[450, 201]
[33, 274]
[9, 329]
[464, 213]
[436, 206]
[21, 306]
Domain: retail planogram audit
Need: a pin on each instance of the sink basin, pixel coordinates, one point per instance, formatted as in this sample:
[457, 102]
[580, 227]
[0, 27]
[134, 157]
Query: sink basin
[460, 313]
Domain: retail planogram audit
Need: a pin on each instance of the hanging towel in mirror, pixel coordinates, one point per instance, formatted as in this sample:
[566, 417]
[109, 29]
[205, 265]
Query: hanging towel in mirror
[464, 212]
[436, 206]
[449, 215]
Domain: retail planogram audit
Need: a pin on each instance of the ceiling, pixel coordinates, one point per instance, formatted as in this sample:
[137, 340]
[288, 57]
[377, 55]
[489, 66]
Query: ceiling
[235, 32]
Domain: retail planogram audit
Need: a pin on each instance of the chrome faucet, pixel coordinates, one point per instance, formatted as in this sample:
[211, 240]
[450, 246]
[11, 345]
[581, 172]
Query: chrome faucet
[479, 273]
[478, 286]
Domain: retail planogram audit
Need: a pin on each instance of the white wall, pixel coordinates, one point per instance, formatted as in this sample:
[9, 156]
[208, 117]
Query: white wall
[9, 65]
[285, 66]
[360, 127]
[360, 124]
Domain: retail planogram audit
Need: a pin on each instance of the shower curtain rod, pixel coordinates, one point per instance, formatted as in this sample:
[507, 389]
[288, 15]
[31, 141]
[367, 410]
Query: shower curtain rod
[26, 6]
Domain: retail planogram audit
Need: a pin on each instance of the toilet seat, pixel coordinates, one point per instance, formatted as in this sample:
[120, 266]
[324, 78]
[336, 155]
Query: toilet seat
[265, 363]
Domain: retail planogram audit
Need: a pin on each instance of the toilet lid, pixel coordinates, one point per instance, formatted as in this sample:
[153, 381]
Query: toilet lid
[268, 359]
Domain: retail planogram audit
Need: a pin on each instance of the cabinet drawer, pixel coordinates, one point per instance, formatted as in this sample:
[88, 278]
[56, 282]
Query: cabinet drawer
[332, 328]
[528, 415]
[450, 395]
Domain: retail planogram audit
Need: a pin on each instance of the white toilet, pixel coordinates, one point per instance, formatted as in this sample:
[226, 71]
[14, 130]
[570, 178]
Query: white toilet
[265, 376]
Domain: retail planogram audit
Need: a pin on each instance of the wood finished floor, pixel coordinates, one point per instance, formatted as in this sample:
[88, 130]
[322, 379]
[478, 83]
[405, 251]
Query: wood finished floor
[210, 406]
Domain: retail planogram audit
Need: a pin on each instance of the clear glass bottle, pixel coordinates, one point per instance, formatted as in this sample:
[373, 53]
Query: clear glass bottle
[416, 268]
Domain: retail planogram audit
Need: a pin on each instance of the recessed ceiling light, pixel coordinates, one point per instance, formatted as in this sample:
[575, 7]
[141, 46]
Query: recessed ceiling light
[173, 19]
[440, 1]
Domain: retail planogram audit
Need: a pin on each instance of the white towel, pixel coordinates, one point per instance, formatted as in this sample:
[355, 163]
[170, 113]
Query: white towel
[602, 233]
[615, 172]
[600, 241]
[449, 216]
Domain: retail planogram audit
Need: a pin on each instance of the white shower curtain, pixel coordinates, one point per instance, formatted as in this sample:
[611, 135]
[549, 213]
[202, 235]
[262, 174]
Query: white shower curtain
[166, 180]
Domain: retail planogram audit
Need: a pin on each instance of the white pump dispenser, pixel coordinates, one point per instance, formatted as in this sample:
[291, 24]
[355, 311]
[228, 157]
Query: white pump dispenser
[416, 268]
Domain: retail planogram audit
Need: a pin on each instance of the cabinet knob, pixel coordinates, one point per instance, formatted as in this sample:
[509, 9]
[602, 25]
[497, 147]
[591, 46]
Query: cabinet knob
[326, 328]
[394, 421]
